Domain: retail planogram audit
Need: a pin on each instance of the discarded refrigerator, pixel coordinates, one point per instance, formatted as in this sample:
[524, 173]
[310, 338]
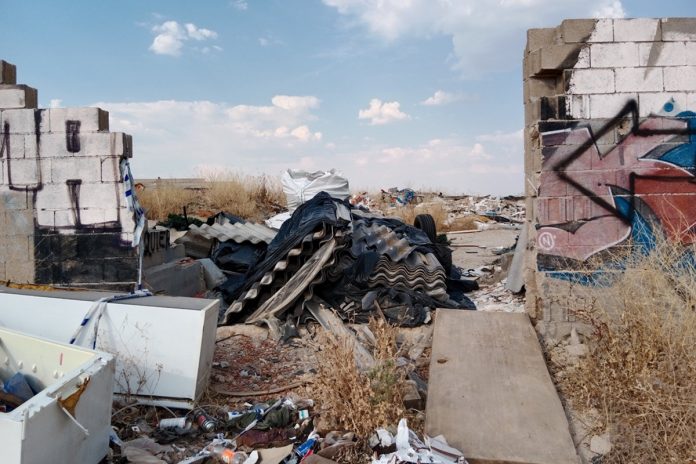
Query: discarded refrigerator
[69, 417]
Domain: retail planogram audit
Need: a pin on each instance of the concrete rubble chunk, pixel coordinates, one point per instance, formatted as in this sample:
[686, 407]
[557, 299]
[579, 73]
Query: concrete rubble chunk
[490, 392]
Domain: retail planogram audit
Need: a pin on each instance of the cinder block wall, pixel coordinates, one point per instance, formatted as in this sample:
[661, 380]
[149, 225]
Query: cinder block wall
[64, 217]
[610, 142]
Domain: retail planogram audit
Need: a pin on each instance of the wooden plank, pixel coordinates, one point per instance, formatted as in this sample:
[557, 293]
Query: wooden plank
[490, 393]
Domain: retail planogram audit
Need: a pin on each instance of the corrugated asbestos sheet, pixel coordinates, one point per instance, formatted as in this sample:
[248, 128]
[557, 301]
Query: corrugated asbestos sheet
[239, 232]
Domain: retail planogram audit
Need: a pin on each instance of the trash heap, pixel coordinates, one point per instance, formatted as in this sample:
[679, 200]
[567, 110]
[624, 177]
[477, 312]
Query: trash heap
[275, 432]
[357, 263]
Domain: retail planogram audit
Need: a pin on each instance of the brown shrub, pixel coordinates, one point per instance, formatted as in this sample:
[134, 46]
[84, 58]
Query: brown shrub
[359, 401]
[641, 369]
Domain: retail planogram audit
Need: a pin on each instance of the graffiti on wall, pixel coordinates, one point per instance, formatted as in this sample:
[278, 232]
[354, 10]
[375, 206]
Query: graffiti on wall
[597, 193]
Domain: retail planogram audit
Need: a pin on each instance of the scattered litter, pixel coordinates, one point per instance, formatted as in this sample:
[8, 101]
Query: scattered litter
[410, 449]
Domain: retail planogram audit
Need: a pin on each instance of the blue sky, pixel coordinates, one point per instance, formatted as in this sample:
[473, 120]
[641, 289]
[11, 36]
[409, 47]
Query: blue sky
[419, 93]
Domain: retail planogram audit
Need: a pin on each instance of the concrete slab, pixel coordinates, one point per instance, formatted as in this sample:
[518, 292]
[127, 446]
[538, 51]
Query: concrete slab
[490, 393]
[475, 249]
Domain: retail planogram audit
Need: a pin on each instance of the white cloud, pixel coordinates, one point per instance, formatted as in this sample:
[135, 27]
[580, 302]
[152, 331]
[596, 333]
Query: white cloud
[197, 33]
[486, 164]
[612, 10]
[294, 103]
[382, 112]
[440, 97]
[171, 36]
[486, 34]
[173, 137]
[55, 103]
[241, 5]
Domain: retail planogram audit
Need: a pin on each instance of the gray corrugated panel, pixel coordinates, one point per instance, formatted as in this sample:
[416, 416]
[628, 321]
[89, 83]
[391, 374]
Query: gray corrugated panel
[283, 269]
[380, 239]
[239, 233]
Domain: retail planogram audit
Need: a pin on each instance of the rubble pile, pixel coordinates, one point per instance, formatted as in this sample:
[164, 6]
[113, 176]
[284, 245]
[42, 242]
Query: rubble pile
[352, 261]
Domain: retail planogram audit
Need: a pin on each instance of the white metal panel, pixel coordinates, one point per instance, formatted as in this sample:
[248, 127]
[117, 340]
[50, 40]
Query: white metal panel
[161, 351]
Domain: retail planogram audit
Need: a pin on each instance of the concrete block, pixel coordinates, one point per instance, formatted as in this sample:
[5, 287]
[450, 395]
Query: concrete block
[583, 59]
[538, 38]
[8, 73]
[14, 147]
[553, 59]
[18, 249]
[21, 272]
[12, 201]
[18, 96]
[121, 145]
[639, 80]
[24, 173]
[54, 197]
[176, 278]
[95, 144]
[25, 121]
[504, 378]
[678, 29]
[91, 119]
[690, 100]
[609, 106]
[110, 171]
[637, 30]
[653, 102]
[663, 54]
[53, 146]
[614, 55]
[680, 78]
[589, 81]
[99, 195]
[578, 107]
[604, 31]
[64, 218]
[536, 87]
[577, 30]
[691, 53]
[92, 216]
[87, 169]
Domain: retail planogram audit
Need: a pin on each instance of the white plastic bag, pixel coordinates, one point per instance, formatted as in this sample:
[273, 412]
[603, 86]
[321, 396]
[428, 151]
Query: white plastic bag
[300, 186]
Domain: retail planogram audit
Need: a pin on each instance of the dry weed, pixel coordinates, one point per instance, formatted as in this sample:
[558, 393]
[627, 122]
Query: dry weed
[249, 197]
[641, 370]
[166, 199]
[358, 401]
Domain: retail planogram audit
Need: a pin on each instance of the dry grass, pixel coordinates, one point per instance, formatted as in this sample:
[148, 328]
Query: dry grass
[358, 401]
[641, 371]
[249, 197]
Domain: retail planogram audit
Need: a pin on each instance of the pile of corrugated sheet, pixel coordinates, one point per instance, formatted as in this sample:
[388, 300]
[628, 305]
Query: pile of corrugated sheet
[233, 244]
[332, 254]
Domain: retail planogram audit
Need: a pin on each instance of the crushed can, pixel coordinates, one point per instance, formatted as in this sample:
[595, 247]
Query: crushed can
[204, 421]
[174, 422]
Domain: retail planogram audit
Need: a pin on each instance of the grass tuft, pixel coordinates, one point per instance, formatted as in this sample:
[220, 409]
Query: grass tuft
[642, 365]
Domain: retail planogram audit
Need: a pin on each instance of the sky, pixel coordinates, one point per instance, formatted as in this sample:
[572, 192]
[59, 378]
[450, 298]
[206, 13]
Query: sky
[392, 93]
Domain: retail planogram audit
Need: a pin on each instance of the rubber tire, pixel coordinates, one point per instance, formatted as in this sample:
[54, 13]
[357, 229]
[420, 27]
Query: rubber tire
[426, 223]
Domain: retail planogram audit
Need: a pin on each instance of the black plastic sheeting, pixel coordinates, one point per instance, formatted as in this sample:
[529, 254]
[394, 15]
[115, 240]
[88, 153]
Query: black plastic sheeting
[306, 219]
